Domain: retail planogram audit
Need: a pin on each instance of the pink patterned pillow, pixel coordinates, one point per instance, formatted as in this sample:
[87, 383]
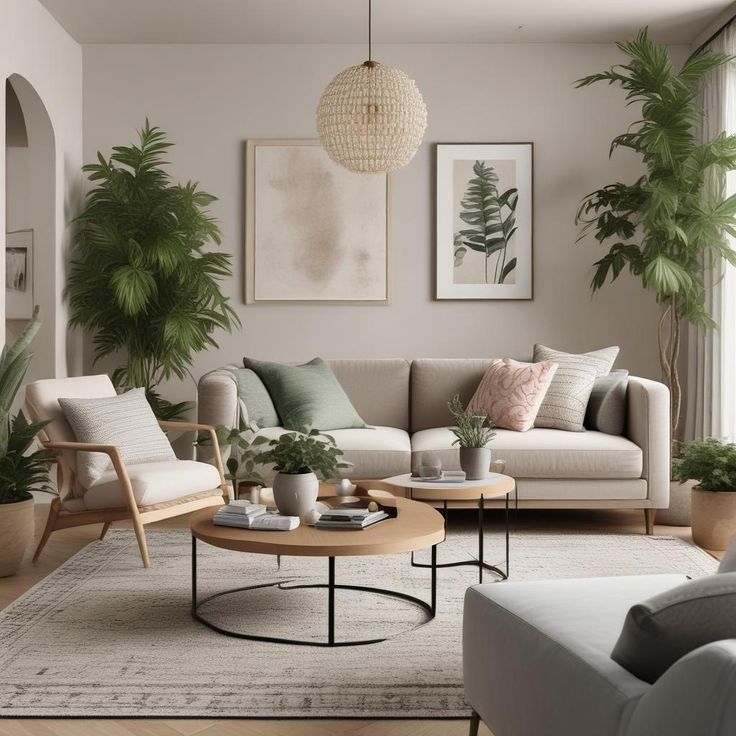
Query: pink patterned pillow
[512, 392]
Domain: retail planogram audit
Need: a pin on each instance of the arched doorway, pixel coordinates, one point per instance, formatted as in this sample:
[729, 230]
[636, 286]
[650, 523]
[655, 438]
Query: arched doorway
[30, 206]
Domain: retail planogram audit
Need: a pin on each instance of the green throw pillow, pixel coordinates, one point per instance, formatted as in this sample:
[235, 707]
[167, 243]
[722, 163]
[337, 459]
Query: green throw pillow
[256, 400]
[307, 395]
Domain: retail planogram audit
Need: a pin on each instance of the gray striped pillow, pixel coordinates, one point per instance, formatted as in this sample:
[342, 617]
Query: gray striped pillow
[566, 399]
[125, 421]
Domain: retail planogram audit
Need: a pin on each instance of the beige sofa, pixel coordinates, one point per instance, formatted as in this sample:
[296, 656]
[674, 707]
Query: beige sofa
[406, 403]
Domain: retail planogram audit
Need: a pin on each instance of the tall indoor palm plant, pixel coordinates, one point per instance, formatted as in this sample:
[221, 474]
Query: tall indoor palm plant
[141, 277]
[669, 227]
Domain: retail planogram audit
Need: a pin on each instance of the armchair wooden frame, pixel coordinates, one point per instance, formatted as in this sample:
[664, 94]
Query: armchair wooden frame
[139, 515]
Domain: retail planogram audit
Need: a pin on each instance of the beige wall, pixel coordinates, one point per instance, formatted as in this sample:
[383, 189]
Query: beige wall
[34, 46]
[211, 99]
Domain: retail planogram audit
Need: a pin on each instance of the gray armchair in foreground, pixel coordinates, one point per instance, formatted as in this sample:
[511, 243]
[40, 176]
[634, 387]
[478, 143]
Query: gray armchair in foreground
[537, 662]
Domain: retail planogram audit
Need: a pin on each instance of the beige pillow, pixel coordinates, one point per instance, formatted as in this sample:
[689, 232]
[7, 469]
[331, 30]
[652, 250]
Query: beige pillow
[512, 392]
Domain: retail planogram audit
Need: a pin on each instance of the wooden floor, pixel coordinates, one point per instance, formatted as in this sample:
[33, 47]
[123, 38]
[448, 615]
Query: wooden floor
[63, 544]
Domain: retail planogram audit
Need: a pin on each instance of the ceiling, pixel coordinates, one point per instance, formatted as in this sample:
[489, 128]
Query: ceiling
[395, 21]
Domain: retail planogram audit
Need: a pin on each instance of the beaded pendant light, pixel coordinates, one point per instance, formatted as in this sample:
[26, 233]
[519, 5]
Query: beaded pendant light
[371, 118]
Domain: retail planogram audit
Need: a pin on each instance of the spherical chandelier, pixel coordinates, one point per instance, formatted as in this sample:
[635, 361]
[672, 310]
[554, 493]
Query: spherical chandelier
[371, 118]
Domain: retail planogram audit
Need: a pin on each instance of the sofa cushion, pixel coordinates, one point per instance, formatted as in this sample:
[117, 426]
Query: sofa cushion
[567, 398]
[543, 453]
[435, 380]
[376, 452]
[256, 405]
[659, 631]
[606, 411]
[307, 395]
[551, 641]
[153, 483]
[511, 392]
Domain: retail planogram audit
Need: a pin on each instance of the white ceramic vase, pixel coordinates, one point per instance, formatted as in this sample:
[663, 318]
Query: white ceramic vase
[16, 529]
[678, 513]
[295, 495]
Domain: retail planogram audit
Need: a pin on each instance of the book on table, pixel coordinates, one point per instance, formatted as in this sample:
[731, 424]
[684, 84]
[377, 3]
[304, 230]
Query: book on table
[253, 516]
[350, 518]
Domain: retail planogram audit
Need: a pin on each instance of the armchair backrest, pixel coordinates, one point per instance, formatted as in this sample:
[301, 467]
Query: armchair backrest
[42, 401]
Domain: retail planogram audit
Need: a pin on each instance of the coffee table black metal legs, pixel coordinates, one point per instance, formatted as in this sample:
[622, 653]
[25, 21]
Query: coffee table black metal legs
[331, 586]
[480, 562]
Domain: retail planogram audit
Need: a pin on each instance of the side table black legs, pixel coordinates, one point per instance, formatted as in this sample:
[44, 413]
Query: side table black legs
[429, 609]
[480, 562]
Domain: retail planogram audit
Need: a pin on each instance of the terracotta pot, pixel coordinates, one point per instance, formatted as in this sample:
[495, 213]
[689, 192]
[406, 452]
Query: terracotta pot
[678, 513]
[295, 495]
[16, 530]
[476, 462]
[714, 518]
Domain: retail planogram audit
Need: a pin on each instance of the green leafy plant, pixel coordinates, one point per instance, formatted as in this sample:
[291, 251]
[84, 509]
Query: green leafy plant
[492, 220]
[244, 445]
[471, 429]
[141, 279]
[22, 469]
[710, 462]
[668, 227]
[303, 452]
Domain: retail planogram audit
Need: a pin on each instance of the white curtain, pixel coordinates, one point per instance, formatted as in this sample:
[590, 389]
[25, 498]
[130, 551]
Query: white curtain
[711, 385]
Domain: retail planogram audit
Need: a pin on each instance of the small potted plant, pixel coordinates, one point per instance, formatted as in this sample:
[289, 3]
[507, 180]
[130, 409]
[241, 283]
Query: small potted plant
[712, 464]
[473, 432]
[298, 457]
[21, 471]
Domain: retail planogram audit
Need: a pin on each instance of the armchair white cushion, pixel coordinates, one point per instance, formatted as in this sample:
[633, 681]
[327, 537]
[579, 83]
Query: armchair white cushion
[152, 483]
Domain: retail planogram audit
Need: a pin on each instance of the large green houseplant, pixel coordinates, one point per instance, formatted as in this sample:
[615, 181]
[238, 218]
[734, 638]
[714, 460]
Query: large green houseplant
[141, 278]
[669, 226]
[22, 468]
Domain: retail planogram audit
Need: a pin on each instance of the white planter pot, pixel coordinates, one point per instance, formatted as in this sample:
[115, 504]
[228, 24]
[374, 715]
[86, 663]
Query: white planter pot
[714, 518]
[678, 513]
[16, 530]
[476, 462]
[295, 495]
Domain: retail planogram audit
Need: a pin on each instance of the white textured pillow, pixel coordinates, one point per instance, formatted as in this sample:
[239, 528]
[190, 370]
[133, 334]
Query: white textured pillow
[567, 398]
[126, 421]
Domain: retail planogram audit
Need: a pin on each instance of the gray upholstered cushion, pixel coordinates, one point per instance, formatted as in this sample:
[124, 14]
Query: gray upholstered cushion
[728, 561]
[566, 399]
[606, 410]
[666, 627]
[256, 404]
[307, 395]
[125, 421]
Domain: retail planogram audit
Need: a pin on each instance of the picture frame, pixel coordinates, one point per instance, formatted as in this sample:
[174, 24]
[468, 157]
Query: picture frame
[484, 229]
[314, 231]
[19, 274]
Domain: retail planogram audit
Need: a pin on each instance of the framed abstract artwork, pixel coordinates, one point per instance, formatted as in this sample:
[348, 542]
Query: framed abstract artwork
[484, 220]
[19, 274]
[315, 232]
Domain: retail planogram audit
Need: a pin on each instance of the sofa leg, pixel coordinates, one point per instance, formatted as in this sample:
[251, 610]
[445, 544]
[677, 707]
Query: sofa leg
[649, 515]
[474, 723]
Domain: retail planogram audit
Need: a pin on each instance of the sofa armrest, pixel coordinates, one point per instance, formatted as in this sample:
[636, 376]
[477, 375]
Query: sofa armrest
[217, 404]
[694, 696]
[648, 425]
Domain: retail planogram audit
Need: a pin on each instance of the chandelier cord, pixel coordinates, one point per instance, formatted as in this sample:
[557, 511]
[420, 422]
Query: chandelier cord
[370, 19]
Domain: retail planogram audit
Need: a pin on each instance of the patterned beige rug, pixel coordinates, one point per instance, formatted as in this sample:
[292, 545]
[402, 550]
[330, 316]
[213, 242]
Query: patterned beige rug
[103, 637]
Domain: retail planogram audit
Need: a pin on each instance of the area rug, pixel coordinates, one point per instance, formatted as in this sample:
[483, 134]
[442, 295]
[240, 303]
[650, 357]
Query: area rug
[102, 637]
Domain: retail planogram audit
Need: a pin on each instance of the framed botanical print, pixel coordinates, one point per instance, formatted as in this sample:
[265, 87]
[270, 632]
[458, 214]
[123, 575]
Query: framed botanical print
[19, 274]
[315, 232]
[484, 221]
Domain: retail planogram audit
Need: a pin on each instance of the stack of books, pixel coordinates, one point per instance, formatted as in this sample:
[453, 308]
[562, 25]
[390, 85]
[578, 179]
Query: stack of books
[350, 518]
[253, 516]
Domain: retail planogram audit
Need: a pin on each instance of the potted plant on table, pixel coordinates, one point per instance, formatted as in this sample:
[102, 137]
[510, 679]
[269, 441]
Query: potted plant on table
[473, 432]
[298, 458]
[21, 470]
[668, 227]
[713, 465]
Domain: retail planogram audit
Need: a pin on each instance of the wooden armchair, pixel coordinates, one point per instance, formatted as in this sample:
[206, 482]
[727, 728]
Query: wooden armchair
[143, 493]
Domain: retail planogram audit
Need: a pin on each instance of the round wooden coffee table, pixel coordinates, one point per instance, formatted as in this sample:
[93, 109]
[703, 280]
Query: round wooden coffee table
[495, 485]
[416, 526]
